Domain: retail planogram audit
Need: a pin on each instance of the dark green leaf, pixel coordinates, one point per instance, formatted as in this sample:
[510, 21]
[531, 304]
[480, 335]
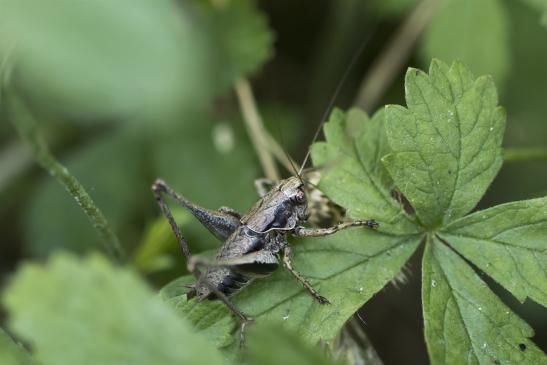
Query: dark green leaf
[508, 242]
[241, 39]
[366, 261]
[212, 166]
[110, 167]
[393, 7]
[465, 323]
[475, 32]
[541, 6]
[88, 312]
[353, 175]
[447, 144]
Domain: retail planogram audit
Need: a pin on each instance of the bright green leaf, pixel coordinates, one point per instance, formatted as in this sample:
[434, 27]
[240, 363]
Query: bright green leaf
[509, 243]
[12, 353]
[353, 175]
[158, 241]
[465, 323]
[476, 32]
[447, 144]
[88, 312]
[105, 59]
[366, 261]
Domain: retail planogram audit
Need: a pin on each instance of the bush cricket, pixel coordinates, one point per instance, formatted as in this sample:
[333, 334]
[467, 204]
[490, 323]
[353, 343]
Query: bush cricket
[253, 243]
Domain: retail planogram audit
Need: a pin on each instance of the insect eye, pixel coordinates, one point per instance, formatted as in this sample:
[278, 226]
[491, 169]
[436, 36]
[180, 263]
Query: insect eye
[300, 197]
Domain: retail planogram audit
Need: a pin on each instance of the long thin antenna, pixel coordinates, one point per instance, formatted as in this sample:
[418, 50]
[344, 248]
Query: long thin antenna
[341, 83]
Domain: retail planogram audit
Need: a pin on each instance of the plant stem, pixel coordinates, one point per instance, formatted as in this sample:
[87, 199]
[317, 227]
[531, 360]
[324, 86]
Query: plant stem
[394, 56]
[525, 154]
[28, 131]
[255, 128]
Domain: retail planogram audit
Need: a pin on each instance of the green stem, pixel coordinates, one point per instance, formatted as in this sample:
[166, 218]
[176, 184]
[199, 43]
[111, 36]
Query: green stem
[525, 154]
[28, 131]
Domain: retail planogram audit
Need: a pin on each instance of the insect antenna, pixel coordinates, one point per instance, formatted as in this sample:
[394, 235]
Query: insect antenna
[341, 83]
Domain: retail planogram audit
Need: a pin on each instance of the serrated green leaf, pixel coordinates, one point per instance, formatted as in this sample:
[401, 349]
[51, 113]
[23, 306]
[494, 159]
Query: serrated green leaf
[476, 32]
[465, 322]
[366, 261]
[89, 312]
[447, 144]
[509, 243]
[106, 59]
[353, 175]
[289, 347]
[12, 353]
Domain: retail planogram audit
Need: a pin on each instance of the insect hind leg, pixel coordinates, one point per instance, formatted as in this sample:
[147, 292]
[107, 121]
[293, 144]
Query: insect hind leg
[244, 320]
[159, 188]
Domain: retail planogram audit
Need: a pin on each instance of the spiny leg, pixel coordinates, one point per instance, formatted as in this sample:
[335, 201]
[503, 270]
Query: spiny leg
[158, 189]
[244, 319]
[318, 232]
[288, 265]
[221, 223]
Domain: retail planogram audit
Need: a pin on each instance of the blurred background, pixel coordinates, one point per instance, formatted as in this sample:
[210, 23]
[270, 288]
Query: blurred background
[127, 91]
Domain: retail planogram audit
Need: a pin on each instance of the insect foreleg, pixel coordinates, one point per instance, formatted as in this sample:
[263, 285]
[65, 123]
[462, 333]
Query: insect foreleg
[288, 265]
[318, 232]
[220, 223]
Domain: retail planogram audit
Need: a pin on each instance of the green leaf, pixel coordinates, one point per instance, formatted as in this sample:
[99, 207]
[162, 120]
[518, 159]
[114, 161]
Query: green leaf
[205, 168]
[241, 39]
[210, 318]
[289, 347]
[508, 242]
[465, 323]
[366, 261]
[105, 59]
[353, 176]
[541, 6]
[476, 32]
[447, 144]
[12, 353]
[88, 312]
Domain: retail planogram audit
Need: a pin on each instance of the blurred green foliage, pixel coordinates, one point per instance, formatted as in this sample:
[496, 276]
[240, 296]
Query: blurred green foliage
[128, 91]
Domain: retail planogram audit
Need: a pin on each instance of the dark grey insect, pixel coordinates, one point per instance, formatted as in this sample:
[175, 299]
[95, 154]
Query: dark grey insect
[254, 243]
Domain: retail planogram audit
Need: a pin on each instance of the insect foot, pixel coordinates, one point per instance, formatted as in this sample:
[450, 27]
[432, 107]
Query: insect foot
[321, 299]
[371, 223]
[242, 329]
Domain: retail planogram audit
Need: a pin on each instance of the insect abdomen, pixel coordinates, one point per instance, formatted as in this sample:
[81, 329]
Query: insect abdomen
[233, 282]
